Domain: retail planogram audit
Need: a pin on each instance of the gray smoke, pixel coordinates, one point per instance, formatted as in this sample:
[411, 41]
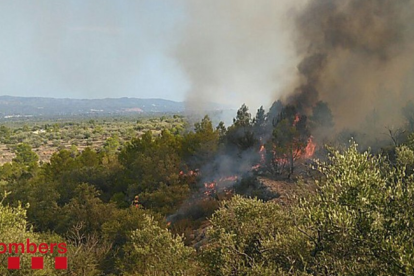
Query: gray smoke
[357, 55]
[236, 52]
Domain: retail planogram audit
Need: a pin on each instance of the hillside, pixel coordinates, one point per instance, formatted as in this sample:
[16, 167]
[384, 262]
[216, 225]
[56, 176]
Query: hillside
[35, 106]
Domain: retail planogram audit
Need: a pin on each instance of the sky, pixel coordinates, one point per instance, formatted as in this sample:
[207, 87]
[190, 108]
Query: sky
[226, 51]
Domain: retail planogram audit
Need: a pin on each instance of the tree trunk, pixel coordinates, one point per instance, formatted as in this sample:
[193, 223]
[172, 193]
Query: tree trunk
[290, 163]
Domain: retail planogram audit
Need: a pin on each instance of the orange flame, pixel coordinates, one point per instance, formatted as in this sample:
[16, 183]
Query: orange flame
[297, 118]
[211, 187]
[262, 154]
[310, 148]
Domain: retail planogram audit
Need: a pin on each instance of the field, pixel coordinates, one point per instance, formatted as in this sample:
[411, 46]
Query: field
[47, 136]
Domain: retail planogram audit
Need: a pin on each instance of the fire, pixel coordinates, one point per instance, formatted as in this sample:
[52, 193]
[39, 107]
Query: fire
[210, 185]
[211, 188]
[262, 154]
[281, 161]
[310, 149]
[297, 118]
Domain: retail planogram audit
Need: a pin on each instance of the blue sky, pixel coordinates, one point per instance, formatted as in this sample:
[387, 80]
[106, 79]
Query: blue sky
[226, 51]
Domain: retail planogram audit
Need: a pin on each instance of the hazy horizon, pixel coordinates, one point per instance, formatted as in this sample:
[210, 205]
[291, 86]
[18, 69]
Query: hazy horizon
[176, 50]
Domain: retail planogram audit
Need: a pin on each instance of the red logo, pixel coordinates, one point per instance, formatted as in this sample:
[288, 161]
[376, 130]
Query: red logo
[61, 262]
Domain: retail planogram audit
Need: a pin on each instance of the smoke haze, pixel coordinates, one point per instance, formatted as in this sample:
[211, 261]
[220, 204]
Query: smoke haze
[90, 49]
[237, 51]
[357, 55]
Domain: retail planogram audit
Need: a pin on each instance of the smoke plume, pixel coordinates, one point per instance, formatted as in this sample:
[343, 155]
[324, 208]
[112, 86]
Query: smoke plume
[357, 55]
[236, 52]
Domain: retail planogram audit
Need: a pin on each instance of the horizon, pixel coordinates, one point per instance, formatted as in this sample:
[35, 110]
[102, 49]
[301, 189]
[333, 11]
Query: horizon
[223, 106]
[180, 51]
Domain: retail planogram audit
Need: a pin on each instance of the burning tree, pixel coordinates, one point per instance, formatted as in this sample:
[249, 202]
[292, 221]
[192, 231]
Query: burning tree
[291, 138]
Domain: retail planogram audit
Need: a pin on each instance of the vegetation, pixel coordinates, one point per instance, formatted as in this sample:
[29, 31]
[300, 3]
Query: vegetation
[352, 216]
[102, 133]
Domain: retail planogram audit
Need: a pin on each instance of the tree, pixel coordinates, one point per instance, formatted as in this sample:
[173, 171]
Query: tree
[250, 237]
[14, 228]
[44, 211]
[25, 156]
[241, 135]
[243, 117]
[200, 146]
[152, 250]
[359, 220]
[87, 208]
[260, 118]
[221, 129]
[111, 145]
[322, 115]
[290, 137]
[151, 164]
[272, 115]
[5, 134]
[260, 123]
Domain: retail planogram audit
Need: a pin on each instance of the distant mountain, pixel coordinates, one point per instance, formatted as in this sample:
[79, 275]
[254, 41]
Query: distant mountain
[35, 106]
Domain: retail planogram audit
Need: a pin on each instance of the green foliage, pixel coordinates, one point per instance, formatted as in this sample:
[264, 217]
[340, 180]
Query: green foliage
[243, 118]
[250, 237]
[260, 118]
[152, 250]
[290, 137]
[25, 156]
[5, 134]
[43, 198]
[259, 123]
[15, 229]
[356, 221]
[359, 222]
[200, 146]
[111, 145]
[410, 141]
[85, 207]
[152, 165]
[240, 135]
[221, 129]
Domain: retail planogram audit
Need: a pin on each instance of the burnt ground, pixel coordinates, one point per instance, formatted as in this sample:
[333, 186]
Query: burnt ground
[279, 190]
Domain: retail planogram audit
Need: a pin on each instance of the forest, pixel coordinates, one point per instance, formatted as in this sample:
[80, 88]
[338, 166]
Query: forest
[181, 199]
